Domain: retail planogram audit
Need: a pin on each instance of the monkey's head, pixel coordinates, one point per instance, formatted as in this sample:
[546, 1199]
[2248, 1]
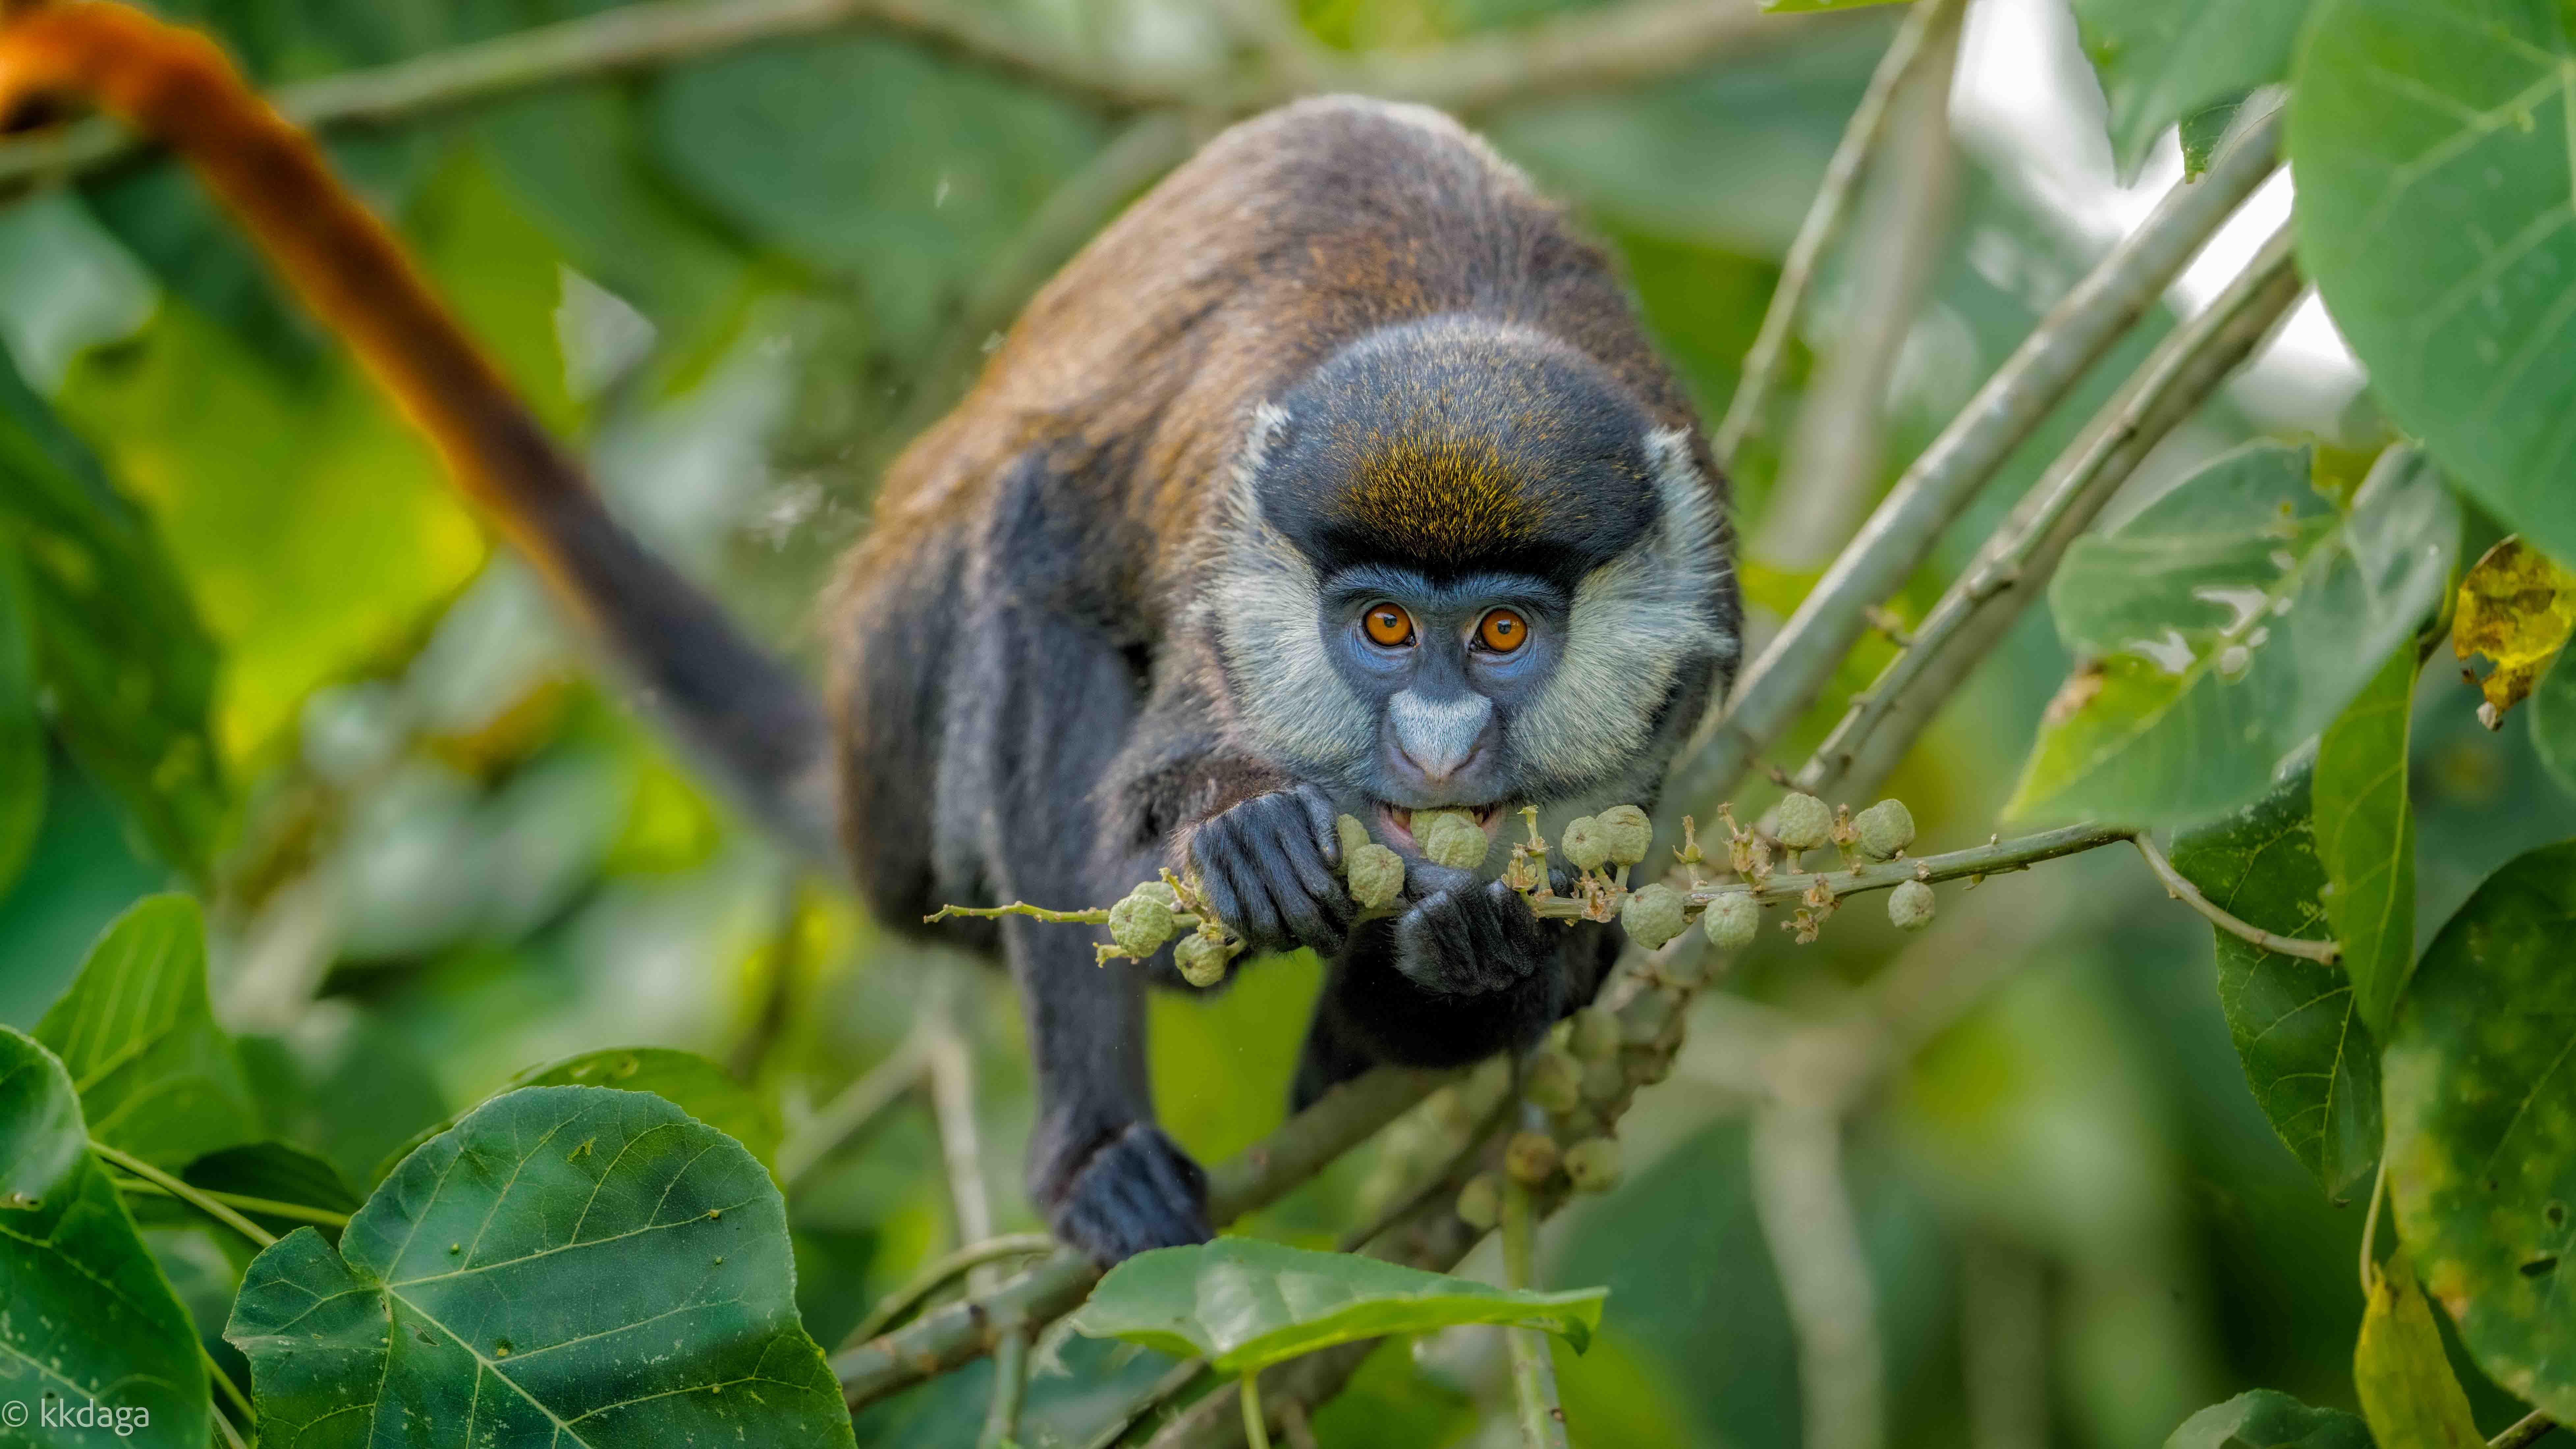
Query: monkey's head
[1465, 567]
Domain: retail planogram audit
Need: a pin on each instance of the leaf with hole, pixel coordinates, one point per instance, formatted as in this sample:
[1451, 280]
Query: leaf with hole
[1244, 1304]
[686, 1080]
[2400, 1373]
[2269, 1419]
[2433, 145]
[2162, 62]
[85, 1315]
[2365, 837]
[157, 1077]
[566, 1265]
[2481, 1069]
[2307, 1056]
[2223, 626]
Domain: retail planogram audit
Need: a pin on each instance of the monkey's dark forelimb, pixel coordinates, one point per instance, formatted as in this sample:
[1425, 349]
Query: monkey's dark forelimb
[754, 724]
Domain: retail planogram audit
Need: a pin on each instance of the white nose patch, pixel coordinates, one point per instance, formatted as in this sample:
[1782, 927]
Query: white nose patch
[1438, 735]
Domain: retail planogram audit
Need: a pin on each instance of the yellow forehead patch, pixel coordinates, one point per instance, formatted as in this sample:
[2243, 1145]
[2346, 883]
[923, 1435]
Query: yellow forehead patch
[1445, 499]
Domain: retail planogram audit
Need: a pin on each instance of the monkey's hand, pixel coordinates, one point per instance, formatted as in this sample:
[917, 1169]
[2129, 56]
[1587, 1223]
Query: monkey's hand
[1267, 866]
[1464, 937]
[1137, 1190]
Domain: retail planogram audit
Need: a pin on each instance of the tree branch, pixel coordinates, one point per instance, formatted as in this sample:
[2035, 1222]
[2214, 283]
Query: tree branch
[1780, 684]
[1533, 1368]
[860, 1104]
[1824, 221]
[2014, 567]
[1806, 1219]
[2187, 893]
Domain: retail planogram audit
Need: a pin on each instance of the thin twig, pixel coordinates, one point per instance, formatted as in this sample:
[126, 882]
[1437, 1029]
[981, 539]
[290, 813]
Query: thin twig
[1450, 1175]
[1785, 679]
[2184, 891]
[2370, 1228]
[195, 1197]
[1806, 1219]
[1256, 1424]
[939, 1272]
[859, 1104]
[2014, 567]
[1823, 225]
[268, 1207]
[232, 1391]
[225, 1431]
[2523, 1431]
[1542, 1418]
[952, 1099]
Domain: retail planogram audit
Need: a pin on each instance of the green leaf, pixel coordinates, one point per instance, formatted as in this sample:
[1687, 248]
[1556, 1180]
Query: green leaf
[125, 667]
[2431, 145]
[2482, 1124]
[2226, 624]
[23, 765]
[278, 1172]
[2553, 723]
[566, 1265]
[157, 1077]
[1244, 1304]
[2202, 131]
[2163, 61]
[2307, 1056]
[2366, 837]
[2269, 1419]
[2400, 1373]
[88, 1317]
[686, 1080]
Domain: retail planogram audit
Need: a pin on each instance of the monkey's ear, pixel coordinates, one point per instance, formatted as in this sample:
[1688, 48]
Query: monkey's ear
[1265, 430]
[1693, 523]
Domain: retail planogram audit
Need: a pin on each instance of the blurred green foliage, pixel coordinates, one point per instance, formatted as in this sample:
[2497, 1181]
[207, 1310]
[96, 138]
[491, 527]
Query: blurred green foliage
[276, 659]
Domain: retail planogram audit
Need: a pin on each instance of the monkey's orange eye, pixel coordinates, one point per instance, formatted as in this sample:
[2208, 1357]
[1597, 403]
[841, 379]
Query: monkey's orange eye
[1388, 624]
[1503, 631]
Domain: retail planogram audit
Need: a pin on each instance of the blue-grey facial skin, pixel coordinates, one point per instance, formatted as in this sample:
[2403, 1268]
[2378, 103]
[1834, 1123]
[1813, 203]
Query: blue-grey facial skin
[1445, 703]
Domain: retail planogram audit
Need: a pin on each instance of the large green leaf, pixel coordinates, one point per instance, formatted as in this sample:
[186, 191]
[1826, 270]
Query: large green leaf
[2366, 837]
[2433, 143]
[688, 1081]
[2162, 61]
[85, 1316]
[1243, 1303]
[2307, 1055]
[126, 668]
[2482, 1124]
[568, 1265]
[2269, 1419]
[2400, 1373]
[157, 1076]
[22, 733]
[2553, 722]
[2224, 625]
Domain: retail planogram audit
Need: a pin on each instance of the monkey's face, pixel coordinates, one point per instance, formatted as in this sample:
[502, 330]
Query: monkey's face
[1478, 586]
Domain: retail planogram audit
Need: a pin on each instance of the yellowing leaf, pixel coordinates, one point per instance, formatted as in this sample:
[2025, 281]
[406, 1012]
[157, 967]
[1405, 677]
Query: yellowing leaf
[2517, 607]
[2405, 1385]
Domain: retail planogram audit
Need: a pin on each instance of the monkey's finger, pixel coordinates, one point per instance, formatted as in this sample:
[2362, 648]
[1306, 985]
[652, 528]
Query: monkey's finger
[1234, 887]
[1321, 815]
[1525, 941]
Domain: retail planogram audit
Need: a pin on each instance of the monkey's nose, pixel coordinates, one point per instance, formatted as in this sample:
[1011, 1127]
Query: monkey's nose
[1438, 737]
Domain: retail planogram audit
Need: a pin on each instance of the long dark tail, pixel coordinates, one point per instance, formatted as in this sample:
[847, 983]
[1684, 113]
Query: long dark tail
[748, 719]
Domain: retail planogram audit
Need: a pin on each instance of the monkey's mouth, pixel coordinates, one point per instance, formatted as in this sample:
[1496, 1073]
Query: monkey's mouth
[1398, 822]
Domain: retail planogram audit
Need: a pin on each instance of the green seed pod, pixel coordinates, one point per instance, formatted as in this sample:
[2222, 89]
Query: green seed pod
[1593, 1164]
[1530, 1157]
[1376, 875]
[1202, 958]
[1630, 833]
[1352, 834]
[1653, 915]
[1884, 829]
[1732, 921]
[1480, 1202]
[1159, 890]
[1585, 845]
[1140, 924]
[1603, 1081]
[1451, 838]
[1554, 1082]
[1804, 823]
[1594, 1035]
[1910, 905]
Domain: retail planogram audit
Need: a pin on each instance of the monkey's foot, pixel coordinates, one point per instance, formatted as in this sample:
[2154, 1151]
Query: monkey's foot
[1139, 1191]
[1471, 939]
